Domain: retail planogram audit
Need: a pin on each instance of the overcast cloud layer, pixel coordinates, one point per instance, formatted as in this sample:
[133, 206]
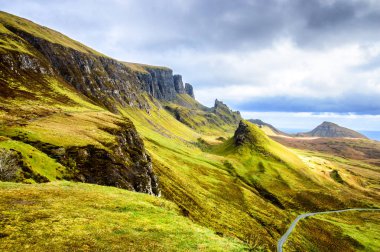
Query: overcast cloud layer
[269, 56]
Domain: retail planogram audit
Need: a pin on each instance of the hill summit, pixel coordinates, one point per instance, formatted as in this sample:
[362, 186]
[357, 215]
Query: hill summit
[269, 129]
[329, 129]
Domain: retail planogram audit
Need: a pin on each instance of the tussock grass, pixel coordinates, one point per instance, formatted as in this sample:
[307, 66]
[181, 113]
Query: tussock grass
[65, 216]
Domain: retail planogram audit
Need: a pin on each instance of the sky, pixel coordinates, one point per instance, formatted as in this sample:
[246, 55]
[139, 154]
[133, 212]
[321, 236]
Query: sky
[293, 63]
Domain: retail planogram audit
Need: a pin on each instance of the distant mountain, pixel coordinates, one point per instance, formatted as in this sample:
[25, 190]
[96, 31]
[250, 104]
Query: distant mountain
[267, 128]
[329, 129]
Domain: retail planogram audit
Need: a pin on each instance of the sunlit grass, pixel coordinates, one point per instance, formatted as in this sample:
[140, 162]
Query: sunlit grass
[37, 160]
[69, 216]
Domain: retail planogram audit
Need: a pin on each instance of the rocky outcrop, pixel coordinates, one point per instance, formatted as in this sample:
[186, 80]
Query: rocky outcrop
[241, 134]
[104, 80]
[224, 112]
[124, 164]
[162, 84]
[158, 82]
[178, 84]
[189, 90]
[328, 129]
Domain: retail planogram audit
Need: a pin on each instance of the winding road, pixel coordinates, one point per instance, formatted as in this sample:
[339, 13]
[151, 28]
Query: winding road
[283, 238]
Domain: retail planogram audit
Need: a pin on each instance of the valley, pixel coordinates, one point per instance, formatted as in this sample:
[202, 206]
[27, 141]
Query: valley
[104, 155]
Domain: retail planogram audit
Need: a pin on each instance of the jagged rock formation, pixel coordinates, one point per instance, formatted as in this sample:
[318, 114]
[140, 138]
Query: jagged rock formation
[245, 134]
[329, 129]
[102, 79]
[35, 62]
[178, 84]
[158, 81]
[189, 90]
[226, 113]
[105, 81]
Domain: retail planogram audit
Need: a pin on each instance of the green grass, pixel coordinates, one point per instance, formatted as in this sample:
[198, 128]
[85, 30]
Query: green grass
[143, 68]
[349, 231]
[44, 33]
[68, 129]
[10, 42]
[364, 227]
[65, 216]
[35, 159]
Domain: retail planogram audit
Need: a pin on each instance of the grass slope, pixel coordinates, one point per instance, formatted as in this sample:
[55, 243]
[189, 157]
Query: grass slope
[351, 231]
[250, 192]
[42, 32]
[65, 216]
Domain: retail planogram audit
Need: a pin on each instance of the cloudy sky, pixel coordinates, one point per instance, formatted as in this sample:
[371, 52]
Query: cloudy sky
[294, 63]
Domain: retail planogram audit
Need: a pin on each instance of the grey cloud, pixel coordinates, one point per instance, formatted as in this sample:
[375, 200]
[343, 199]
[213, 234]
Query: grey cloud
[214, 24]
[155, 32]
[360, 104]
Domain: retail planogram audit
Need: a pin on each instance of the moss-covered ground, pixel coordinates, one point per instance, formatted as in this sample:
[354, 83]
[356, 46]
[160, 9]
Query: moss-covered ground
[63, 216]
[349, 231]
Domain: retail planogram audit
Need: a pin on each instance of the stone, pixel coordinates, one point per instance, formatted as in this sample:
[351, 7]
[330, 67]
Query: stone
[189, 90]
[178, 84]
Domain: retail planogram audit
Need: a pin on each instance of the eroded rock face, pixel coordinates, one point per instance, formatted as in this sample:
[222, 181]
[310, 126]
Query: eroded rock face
[124, 164]
[178, 84]
[159, 83]
[226, 113]
[104, 80]
[242, 134]
[20, 63]
[189, 90]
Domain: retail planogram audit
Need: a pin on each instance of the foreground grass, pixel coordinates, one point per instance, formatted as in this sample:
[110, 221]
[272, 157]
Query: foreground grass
[63, 216]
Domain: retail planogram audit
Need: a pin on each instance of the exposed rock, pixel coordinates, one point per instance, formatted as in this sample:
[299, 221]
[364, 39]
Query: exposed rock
[21, 62]
[250, 135]
[13, 168]
[189, 90]
[104, 80]
[124, 164]
[178, 84]
[229, 116]
[242, 134]
[158, 82]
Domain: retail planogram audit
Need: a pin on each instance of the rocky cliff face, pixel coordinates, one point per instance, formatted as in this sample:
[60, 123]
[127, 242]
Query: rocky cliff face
[104, 80]
[189, 90]
[124, 164]
[178, 84]
[27, 73]
[162, 84]
[158, 82]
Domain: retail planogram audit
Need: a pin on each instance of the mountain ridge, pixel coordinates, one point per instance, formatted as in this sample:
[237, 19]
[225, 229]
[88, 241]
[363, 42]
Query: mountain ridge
[271, 129]
[329, 129]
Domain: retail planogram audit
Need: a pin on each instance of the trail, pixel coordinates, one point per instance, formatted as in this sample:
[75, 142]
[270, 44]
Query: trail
[283, 238]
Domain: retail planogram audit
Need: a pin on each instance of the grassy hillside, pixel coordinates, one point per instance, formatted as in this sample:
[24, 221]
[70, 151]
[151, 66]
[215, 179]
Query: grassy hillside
[64, 216]
[20, 24]
[353, 231]
[243, 186]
